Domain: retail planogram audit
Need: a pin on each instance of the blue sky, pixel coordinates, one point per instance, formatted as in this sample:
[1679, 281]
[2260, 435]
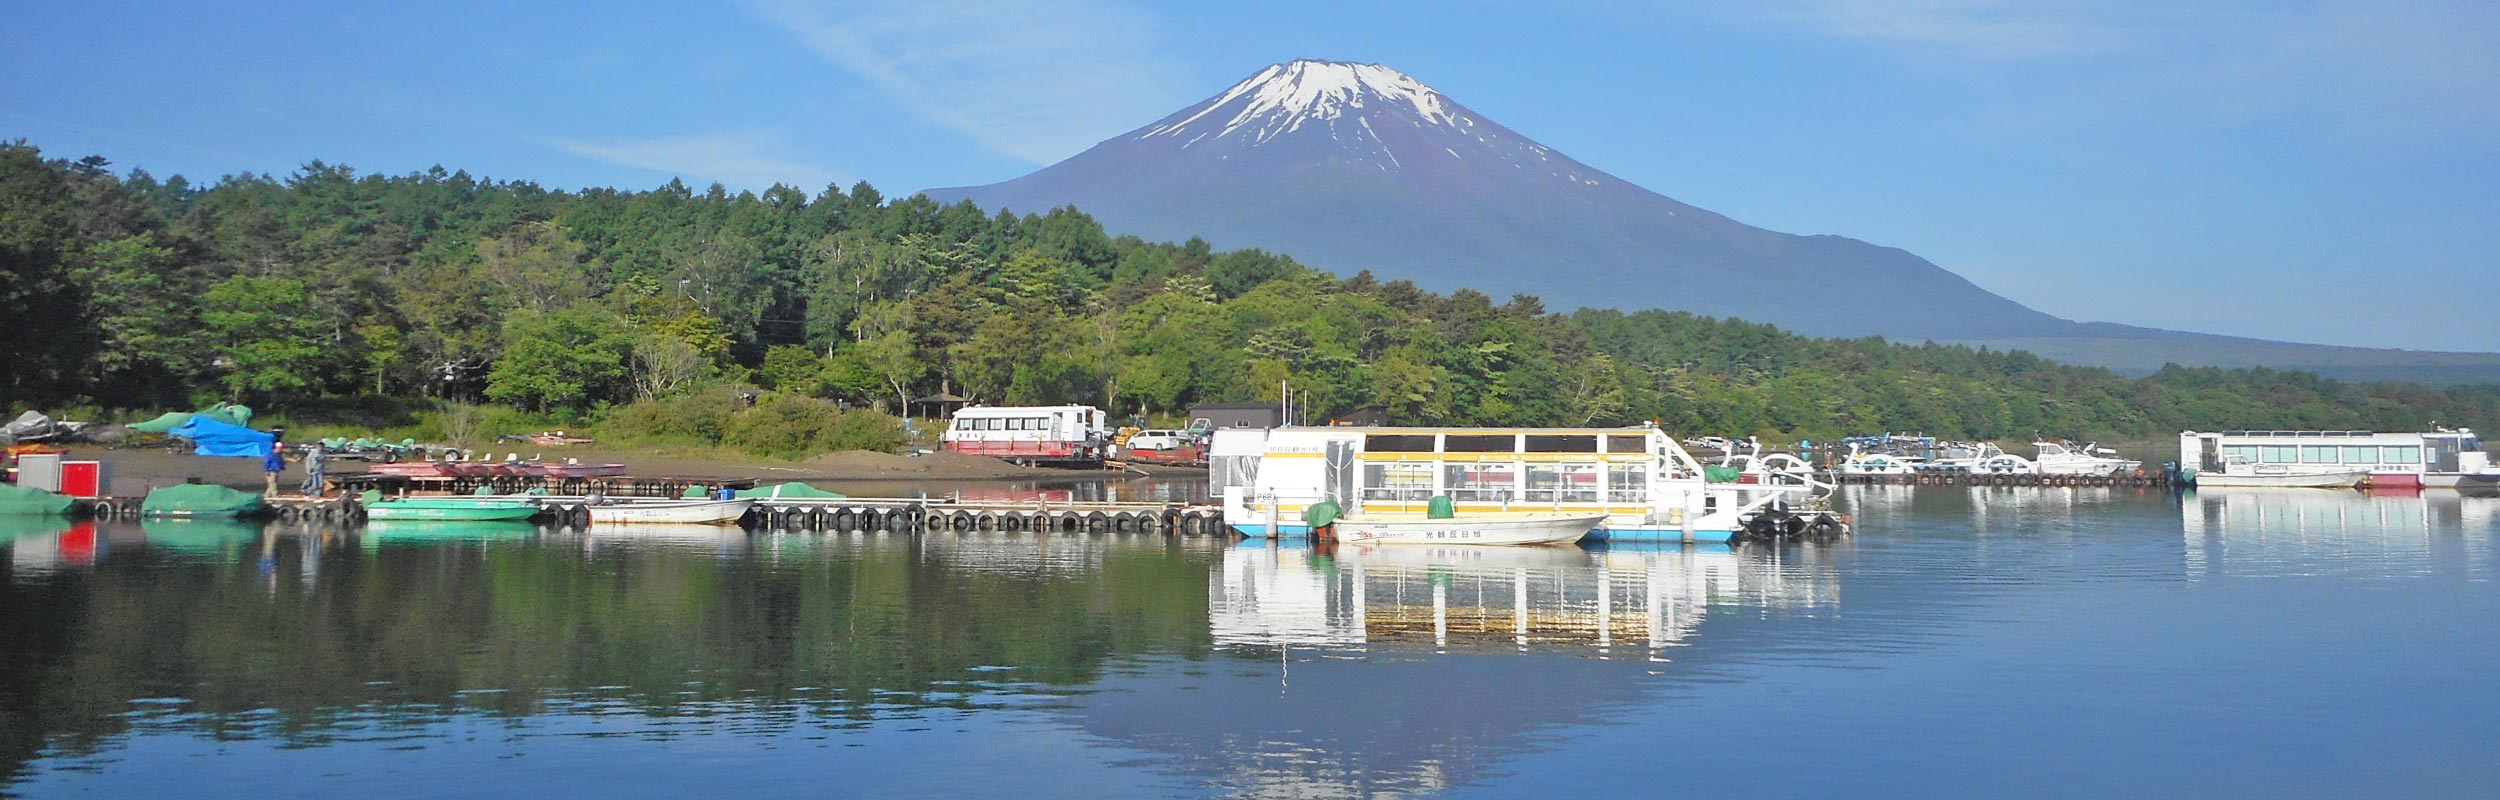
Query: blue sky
[2323, 171]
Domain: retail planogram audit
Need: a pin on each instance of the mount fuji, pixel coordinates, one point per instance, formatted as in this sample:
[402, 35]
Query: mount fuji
[1359, 166]
[1350, 166]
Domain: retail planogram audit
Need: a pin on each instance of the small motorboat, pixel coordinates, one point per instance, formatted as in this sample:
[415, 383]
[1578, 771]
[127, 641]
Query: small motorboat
[703, 512]
[450, 509]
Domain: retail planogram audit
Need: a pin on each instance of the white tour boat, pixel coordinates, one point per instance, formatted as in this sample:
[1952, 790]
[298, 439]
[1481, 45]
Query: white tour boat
[2438, 459]
[1645, 485]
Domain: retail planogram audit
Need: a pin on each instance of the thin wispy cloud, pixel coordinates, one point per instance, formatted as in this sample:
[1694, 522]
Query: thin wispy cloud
[1034, 82]
[741, 159]
[2380, 66]
[1996, 29]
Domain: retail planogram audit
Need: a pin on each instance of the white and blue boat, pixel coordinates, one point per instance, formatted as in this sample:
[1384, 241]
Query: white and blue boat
[1646, 485]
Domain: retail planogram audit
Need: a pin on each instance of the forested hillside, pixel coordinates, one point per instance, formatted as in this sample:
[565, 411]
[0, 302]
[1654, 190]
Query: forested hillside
[130, 291]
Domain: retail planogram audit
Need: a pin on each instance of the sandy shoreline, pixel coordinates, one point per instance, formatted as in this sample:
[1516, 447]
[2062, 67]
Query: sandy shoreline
[133, 471]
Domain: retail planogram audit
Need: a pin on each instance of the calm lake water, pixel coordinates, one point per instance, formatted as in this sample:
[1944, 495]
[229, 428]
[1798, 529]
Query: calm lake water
[1990, 642]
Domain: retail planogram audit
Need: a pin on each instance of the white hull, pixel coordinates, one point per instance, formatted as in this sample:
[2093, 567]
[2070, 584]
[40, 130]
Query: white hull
[2090, 467]
[1463, 555]
[1499, 528]
[2324, 480]
[699, 512]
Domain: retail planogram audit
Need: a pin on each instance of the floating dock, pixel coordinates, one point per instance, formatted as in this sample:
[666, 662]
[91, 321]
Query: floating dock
[893, 515]
[2149, 480]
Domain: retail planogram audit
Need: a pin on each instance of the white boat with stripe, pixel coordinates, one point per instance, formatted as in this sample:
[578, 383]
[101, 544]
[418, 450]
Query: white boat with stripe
[702, 512]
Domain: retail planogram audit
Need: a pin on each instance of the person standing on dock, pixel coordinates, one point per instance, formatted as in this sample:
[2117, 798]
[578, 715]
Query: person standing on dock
[314, 462]
[271, 465]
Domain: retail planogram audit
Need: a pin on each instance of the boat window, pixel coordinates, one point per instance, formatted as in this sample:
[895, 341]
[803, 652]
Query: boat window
[1627, 444]
[1566, 483]
[1626, 483]
[1479, 482]
[2317, 454]
[1398, 443]
[2240, 454]
[2360, 455]
[2400, 454]
[1406, 482]
[2282, 454]
[1498, 443]
[1561, 443]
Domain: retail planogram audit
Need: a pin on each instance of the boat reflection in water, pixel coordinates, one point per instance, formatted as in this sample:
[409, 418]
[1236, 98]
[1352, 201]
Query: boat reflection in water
[2305, 532]
[381, 532]
[723, 540]
[1623, 600]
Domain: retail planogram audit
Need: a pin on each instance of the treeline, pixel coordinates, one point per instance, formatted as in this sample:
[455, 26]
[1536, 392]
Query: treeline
[131, 291]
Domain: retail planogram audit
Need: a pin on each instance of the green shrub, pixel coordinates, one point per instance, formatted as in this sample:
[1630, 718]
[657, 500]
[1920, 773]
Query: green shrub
[861, 429]
[793, 427]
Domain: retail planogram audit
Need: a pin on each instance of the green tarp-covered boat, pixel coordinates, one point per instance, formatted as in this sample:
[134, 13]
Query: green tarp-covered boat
[169, 421]
[788, 490]
[199, 500]
[239, 416]
[22, 501]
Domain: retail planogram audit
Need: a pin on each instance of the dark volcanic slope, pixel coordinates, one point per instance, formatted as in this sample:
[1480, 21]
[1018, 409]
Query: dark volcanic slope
[1356, 166]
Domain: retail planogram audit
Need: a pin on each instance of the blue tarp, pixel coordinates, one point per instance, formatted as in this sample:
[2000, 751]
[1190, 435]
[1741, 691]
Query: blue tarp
[216, 438]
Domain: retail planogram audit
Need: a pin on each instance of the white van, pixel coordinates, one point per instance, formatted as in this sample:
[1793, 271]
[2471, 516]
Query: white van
[1156, 439]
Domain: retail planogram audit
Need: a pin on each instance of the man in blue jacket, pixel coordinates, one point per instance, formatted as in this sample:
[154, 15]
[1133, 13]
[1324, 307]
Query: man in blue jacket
[271, 465]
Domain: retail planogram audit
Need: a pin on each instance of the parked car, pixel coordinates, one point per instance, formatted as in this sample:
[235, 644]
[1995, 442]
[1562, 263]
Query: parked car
[1157, 439]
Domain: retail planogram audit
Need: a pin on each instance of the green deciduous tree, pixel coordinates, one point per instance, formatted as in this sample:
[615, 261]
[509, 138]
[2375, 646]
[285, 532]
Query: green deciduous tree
[268, 345]
[566, 358]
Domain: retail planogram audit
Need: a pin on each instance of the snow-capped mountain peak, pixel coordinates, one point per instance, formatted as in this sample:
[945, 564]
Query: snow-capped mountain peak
[1284, 97]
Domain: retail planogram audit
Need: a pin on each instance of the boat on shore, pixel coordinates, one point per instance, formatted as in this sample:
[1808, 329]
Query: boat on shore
[1496, 528]
[697, 512]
